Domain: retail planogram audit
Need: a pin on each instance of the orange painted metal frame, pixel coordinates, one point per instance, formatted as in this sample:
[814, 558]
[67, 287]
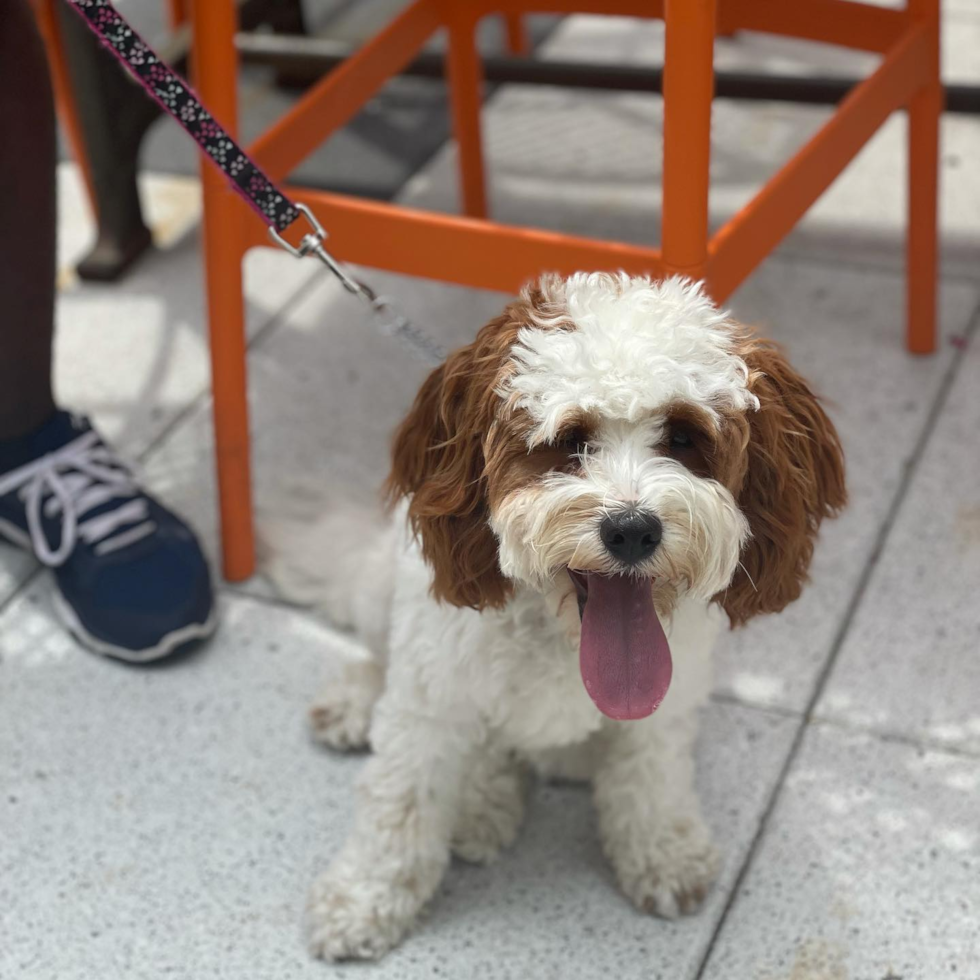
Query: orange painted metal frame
[177, 12]
[46, 15]
[471, 250]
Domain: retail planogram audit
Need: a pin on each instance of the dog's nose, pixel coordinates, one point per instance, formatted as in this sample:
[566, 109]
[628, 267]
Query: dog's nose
[631, 535]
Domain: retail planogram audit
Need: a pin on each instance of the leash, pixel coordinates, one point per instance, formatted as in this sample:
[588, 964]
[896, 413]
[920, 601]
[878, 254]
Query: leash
[268, 201]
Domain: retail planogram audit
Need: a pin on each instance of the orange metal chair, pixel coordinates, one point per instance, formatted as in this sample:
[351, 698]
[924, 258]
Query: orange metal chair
[473, 251]
[45, 11]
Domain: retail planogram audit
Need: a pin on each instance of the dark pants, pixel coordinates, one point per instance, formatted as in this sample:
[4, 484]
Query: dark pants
[27, 223]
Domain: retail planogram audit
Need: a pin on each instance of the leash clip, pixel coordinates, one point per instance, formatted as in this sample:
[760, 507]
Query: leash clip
[390, 322]
[312, 244]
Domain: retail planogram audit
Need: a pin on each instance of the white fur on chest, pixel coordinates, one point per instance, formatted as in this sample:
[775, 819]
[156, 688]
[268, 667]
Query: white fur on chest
[530, 687]
[515, 671]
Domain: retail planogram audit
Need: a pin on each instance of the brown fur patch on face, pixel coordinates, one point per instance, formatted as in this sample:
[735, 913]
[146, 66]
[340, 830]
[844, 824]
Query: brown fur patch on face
[788, 479]
[711, 446]
[458, 437]
[511, 465]
[690, 437]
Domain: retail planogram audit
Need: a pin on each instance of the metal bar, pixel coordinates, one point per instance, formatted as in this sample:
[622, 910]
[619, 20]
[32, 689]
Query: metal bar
[451, 248]
[689, 54]
[215, 64]
[310, 59]
[925, 113]
[465, 75]
[739, 246]
[47, 14]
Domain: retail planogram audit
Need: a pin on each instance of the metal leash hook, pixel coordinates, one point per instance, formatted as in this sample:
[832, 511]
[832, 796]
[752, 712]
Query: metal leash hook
[312, 244]
[390, 322]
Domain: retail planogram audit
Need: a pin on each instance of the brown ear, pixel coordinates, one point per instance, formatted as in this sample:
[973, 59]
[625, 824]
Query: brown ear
[438, 462]
[794, 478]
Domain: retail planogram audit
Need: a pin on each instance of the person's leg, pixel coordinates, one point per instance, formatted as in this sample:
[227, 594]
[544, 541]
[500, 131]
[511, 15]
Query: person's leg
[131, 579]
[27, 224]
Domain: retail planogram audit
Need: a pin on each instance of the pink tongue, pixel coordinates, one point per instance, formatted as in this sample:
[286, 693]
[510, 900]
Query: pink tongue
[623, 656]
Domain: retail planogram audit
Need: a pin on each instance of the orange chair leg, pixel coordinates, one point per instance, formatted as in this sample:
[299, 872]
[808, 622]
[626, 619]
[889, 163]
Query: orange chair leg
[64, 93]
[215, 70]
[177, 10]
[922, 258]
[688, 87]
[726, 22]
[517, 40]
[465, 84]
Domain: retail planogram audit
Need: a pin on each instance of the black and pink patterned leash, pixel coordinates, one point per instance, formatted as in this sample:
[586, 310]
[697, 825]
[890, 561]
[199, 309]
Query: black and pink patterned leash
[177, 98]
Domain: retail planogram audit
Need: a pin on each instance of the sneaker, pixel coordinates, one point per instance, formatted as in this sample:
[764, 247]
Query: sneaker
[132, 580]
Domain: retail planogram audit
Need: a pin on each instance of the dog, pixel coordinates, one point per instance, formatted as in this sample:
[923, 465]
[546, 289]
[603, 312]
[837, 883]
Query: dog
[581, 497]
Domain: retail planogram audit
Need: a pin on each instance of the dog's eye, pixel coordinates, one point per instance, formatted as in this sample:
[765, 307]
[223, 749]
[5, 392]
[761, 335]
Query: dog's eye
[689, 446]
[681, 439]
[574, 442]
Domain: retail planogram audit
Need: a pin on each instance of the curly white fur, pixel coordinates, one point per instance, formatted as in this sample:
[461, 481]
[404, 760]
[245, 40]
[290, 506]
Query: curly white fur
[637, 345]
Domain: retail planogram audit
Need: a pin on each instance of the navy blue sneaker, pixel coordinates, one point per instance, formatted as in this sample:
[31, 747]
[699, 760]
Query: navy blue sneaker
[132, 581]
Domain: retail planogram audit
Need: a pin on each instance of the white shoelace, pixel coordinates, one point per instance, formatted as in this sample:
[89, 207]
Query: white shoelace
[73, 481]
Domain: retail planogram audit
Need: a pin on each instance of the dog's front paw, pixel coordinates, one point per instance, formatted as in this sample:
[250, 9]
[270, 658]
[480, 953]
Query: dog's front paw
[353, 920]
[341, 714]
[672, 872]
[490, 814]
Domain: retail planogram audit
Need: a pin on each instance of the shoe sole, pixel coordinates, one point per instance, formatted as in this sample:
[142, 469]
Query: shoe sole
[191, 633]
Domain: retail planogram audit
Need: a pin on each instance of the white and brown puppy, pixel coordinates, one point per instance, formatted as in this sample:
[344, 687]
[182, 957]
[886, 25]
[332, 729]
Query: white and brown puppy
[609, 469]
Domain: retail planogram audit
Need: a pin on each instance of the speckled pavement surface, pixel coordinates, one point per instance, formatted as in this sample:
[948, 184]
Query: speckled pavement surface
[167, 821]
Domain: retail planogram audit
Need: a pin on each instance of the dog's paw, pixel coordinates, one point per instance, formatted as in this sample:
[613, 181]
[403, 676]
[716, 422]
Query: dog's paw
[672, 873]
[341, 714]
[491, 812]
[479, 837]
[340, 724]
[353, 920]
